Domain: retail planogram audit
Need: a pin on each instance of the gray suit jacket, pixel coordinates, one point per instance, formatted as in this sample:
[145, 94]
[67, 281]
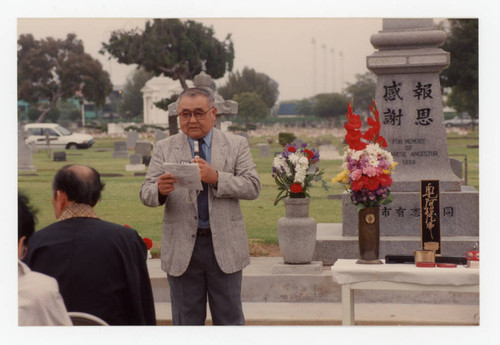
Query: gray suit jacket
[238, 179]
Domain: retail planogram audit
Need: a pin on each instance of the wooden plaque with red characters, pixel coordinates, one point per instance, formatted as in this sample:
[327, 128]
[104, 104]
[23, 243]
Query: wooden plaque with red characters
[430, 215]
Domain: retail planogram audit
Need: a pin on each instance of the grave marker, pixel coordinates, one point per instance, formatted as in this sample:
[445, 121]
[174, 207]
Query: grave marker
[135, 163]
[132, 138]
[120, 150]
[264, 150]
[24, 155]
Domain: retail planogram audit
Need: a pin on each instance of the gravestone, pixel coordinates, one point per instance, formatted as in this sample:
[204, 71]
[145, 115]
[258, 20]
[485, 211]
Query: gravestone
[264, 150]
[120, 149]
[24, 154]
[159, 135]
[59, 156]
[132, 138]
[135, 163]
[143, 148]
[409, 101]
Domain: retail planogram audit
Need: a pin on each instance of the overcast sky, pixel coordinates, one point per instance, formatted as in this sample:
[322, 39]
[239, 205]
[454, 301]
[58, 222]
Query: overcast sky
[304, 55]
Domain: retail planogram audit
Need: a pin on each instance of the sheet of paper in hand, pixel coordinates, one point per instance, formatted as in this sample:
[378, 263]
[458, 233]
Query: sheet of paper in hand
[188, 175]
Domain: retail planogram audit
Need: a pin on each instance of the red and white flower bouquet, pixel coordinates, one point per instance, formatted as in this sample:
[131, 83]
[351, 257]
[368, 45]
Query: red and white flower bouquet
[367, 168]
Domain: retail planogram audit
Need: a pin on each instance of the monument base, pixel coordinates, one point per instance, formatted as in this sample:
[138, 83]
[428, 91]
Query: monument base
[459, 214]
[315, 267]
[332, 245]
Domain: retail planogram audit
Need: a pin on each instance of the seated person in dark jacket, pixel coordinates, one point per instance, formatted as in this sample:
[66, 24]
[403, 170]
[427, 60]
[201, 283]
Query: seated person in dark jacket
[100, 266]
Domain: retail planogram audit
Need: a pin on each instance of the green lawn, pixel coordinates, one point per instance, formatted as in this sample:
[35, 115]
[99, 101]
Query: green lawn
[120, 200]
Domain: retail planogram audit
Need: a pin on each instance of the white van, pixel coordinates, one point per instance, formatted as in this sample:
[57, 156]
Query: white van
[60, 137]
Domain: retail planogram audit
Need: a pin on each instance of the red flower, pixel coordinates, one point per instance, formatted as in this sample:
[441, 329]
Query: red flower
[353, 139]
[291, 149]
[309, 154]
[381, 141]
[385, 180]
[127, 226]
[148, 242]
[296, 188]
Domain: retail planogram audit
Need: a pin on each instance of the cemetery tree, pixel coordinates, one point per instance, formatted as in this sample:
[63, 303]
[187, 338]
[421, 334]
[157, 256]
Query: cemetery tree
[50, 69]
[305, 107]
[251, 107]
[133, 103]
[176, 49]
[251, 81]
[329, 105]
[362, 92]
[462, 74]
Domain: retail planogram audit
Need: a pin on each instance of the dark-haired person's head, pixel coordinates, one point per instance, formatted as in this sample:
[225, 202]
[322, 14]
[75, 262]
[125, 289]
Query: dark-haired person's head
[76, 184]
[26, 220]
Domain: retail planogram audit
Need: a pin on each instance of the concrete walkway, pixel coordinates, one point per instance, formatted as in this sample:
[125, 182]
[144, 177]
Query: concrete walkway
[314, 299]
[330, 314]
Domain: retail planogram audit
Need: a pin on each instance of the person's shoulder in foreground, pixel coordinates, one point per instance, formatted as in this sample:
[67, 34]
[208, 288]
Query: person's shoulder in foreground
[39, 300]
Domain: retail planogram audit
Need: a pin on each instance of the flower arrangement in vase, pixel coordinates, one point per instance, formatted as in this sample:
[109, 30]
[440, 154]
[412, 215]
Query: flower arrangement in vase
[293, 174]
[367, 168]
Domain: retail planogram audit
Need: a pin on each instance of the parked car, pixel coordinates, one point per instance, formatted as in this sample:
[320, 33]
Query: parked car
[464, 120]
[60, 137]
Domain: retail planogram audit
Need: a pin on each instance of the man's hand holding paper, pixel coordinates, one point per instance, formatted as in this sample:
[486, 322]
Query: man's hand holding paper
[166, 184]
[182, 175]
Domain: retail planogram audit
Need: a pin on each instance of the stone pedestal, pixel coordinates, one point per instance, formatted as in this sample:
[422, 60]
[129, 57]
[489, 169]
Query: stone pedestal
[297, 232]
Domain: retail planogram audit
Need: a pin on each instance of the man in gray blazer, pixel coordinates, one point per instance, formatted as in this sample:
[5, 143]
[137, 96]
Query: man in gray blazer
[204, 243]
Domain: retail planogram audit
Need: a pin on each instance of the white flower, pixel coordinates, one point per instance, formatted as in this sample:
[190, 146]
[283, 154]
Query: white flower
[303, 161]
[387, 155]
[294, 158]
[374, 161]
[373, 149]
[280, 162]
[300, 174]
[355, 154]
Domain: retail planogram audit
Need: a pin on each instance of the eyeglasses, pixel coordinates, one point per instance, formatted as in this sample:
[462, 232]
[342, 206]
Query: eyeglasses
[198, 114]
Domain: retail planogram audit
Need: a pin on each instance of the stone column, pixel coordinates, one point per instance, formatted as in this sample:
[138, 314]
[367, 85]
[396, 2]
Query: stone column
[409, 100]
[408, 97]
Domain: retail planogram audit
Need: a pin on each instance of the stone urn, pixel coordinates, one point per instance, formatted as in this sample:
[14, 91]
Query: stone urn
[297, 232]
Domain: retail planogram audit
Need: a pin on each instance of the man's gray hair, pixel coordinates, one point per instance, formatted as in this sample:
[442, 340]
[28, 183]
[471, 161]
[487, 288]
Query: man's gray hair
[198, 91]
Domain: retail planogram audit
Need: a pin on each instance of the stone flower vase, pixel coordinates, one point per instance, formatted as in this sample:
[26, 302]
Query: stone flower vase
[369, 235]
[297, 232]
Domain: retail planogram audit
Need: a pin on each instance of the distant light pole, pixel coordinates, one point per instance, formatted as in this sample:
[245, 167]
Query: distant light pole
[341, 70]
[325, 69]
[333, 69]
[313, 41]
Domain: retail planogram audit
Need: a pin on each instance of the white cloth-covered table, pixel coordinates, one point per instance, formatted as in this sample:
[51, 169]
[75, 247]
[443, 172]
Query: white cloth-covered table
[352, 276]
